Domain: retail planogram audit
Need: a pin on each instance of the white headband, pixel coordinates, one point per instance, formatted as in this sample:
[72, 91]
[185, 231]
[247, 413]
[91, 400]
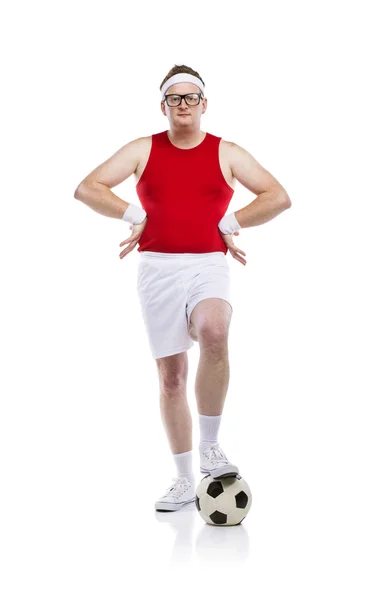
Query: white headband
[181, 78]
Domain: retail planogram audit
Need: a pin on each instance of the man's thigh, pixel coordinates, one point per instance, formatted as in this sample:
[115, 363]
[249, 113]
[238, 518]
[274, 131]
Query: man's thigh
[211, 313]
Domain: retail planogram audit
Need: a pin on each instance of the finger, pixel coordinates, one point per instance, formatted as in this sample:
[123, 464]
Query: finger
[130, 239]
[235, 249]
[127, 250]
[238, 257]
[238, 250]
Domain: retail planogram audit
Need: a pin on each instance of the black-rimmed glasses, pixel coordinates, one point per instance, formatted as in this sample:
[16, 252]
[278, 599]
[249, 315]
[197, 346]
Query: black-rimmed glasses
[176, 99]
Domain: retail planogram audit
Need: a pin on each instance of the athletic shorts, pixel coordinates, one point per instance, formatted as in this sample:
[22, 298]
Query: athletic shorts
[169, 286]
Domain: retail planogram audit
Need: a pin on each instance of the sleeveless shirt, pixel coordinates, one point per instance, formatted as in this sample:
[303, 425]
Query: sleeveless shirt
[184, 194]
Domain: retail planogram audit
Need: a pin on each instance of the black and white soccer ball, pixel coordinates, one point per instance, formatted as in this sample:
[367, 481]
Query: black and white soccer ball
[224, 501]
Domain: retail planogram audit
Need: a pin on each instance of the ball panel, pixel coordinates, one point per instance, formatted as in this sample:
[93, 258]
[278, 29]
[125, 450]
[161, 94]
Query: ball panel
[207, 504]
[241, 499]
[218, 518]
[215, 488]
[225, 503]
[237, 515]
[233, 485]
[206, 518]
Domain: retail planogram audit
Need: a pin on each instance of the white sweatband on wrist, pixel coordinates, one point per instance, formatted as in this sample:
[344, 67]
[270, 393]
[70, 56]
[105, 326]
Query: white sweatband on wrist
[134, 214]
[229, 224]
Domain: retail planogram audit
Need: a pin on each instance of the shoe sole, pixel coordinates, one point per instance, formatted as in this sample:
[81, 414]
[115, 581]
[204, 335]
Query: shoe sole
[221, 473]
[172, 506]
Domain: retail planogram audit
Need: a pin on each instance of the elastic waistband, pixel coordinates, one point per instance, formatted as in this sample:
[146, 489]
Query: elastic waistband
[178, 255]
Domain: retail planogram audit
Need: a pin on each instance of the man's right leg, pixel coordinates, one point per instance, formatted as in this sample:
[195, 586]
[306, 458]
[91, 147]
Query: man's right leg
[176, 417]
[174, 408]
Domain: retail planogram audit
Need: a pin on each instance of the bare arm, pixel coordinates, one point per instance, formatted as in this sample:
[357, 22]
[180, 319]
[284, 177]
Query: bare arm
[272, 198]
[95, 189]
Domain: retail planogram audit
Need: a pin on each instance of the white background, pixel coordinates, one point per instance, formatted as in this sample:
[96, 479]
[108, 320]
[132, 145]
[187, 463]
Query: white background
[83, 452]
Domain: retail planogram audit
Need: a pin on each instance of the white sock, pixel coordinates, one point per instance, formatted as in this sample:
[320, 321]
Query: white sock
[184, 464]
[209, 428]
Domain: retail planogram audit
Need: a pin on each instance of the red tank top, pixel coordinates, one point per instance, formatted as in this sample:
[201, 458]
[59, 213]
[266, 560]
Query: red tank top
[184, 194]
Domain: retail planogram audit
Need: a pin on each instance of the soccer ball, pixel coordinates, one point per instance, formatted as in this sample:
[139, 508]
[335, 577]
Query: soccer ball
[224, 501]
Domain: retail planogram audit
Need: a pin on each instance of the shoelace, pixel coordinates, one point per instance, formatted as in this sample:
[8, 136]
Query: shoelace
[178, 487]
[215, 454]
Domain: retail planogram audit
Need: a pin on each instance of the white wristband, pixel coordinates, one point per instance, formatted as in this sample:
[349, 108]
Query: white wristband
[134, 214]
[229, 224]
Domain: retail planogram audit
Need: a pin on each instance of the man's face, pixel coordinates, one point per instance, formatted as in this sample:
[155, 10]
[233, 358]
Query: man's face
[184, 115]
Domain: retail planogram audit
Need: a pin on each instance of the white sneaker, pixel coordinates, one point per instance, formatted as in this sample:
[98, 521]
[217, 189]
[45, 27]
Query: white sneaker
[179, 494]
[214, 462]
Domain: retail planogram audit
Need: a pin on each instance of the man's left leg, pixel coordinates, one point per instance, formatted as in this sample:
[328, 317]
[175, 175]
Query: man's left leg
[209, 325]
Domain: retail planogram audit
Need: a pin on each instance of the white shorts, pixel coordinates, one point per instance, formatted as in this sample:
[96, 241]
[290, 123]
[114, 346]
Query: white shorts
[169, 287]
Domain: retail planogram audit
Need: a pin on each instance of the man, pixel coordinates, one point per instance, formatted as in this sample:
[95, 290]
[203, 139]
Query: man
[185, 181]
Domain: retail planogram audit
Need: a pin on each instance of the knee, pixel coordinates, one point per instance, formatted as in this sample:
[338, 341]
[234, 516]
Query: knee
[213, 335]
[172, 383]
[172, 378]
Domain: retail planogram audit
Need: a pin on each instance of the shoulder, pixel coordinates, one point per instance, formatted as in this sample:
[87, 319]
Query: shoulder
[234, 152]
[227, 149]
[227, 145]
[144, 143]
[142, 146]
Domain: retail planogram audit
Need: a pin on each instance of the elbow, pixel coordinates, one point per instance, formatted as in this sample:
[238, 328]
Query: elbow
[286, 201]
[78, 192]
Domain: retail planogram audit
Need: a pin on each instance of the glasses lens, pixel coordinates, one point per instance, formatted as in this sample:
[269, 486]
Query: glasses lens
[192, 99]
[173, 100]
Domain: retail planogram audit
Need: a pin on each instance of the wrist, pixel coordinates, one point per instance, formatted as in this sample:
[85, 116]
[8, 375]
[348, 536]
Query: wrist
[134, 214]
[229, 224]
